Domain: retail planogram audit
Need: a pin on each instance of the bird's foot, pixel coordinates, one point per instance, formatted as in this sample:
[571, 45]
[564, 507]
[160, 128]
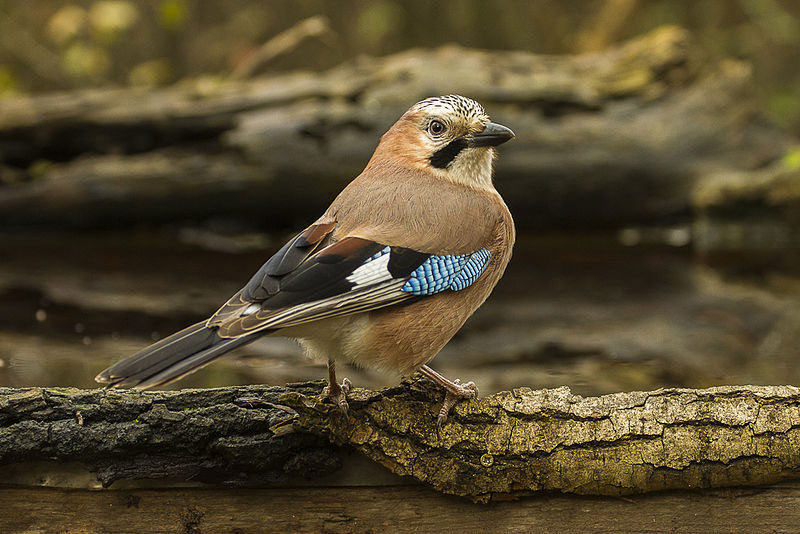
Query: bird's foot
[338, 394]
[456, 392]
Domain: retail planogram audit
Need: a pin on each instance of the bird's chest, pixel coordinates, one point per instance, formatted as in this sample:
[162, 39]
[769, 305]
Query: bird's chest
[422, 219]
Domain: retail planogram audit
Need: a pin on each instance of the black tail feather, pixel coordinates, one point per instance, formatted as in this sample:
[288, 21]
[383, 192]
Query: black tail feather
[193, 362]
[171, 358]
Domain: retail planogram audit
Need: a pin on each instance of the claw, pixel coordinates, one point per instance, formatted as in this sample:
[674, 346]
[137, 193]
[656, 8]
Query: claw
[454, 396]
[338, 395]
[337, 392]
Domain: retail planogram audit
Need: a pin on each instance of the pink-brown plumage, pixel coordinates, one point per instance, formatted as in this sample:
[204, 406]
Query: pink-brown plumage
[398, 199]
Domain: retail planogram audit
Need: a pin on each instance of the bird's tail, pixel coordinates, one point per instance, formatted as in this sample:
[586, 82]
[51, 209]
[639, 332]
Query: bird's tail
[171, 358]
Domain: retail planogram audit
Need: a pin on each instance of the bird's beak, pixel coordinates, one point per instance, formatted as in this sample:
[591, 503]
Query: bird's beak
[492, 135]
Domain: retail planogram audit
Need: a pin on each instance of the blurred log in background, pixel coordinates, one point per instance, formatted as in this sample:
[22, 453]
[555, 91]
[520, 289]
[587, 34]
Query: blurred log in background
[604, 139]
[48, 45]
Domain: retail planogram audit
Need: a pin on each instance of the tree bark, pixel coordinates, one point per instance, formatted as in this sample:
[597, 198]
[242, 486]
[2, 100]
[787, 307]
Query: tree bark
[606, 138]
[509, 444]
[212, 435]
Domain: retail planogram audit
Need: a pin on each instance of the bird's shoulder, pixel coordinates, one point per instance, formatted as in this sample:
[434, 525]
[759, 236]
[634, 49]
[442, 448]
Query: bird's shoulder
[412, 209]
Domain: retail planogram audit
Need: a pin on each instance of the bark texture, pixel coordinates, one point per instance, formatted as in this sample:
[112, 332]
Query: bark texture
[509, 444]
[602, 139]
[213, 435]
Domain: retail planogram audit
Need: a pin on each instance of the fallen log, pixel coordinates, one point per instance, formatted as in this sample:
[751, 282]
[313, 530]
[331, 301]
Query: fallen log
[209, 435]
[509, 444]
[603, 139]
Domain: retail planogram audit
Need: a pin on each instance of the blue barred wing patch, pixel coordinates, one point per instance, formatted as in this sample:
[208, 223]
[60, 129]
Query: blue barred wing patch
[381, 252]
[474, 267]
[447, 272]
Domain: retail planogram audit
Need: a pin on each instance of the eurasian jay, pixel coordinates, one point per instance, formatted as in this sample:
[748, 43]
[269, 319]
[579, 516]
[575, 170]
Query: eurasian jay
[388, 274]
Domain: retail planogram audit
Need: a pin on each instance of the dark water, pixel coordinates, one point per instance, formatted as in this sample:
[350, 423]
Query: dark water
[638, 310]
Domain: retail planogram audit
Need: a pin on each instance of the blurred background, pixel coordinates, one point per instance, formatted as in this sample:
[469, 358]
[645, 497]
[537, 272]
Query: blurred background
[154, 153]
[49, 45]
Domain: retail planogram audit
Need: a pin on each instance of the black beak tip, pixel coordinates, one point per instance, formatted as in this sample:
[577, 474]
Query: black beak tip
[505, 133]
[492, 135]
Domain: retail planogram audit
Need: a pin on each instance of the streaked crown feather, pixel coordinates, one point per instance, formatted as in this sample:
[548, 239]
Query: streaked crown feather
[456, 104]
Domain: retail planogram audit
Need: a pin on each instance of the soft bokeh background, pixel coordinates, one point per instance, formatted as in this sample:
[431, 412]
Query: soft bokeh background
[628, 307]
[48, 45]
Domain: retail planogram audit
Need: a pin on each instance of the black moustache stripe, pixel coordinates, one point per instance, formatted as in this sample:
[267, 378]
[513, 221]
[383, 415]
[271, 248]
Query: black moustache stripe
[445, 155]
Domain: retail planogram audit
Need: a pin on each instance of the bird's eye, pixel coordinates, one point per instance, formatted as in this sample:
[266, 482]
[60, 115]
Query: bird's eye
[436, 128]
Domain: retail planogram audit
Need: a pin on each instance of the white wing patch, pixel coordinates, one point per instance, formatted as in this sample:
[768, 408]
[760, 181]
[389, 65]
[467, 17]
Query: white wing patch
[372, 272]
[250, 310]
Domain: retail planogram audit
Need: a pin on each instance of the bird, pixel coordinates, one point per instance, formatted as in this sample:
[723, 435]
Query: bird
[402, 257]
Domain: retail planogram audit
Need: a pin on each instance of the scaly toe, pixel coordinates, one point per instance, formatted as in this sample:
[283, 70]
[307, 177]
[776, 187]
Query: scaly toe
[465, 392]
[470, 390]
[338, 395]
[344, 407]
[441, 419]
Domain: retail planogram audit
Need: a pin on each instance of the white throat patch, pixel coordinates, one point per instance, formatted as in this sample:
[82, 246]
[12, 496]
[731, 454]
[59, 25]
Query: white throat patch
[473, 166]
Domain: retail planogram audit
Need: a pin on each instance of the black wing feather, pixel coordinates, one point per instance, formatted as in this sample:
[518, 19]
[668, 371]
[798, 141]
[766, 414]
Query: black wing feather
[266, 281]
[403, 261]
[320, 287]
[291, 255]
[323, 276]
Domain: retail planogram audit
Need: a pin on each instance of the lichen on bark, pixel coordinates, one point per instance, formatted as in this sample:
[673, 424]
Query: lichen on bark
[524, 441]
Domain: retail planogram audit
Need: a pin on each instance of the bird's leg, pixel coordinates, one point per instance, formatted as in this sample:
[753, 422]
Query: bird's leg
[455, 392]
[335, 391]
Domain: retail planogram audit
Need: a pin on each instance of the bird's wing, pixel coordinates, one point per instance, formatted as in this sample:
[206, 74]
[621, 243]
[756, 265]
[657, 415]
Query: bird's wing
[265, 282]
[349, 276]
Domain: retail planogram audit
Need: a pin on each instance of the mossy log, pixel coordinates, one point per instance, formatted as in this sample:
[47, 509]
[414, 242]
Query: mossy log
[606, 138]
[211, 435]
[508, 444]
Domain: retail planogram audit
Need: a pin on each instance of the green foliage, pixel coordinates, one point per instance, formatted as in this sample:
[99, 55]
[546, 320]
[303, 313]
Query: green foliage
[8, 83]
[151, 73]
[76, 43]
[172, 14]
[39, 168]
[82, 59]
[783, 106]
[775, 21]
[791, 160]
[112, 18]
[378, 20]
[66, 24]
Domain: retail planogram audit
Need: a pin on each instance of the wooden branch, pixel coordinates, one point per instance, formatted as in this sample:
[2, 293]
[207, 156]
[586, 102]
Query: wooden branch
[602, 139]
[281, 44]
[213, 435]
[508, 444]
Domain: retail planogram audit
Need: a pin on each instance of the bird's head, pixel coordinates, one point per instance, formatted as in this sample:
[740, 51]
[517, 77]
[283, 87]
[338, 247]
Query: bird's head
[451, 136]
